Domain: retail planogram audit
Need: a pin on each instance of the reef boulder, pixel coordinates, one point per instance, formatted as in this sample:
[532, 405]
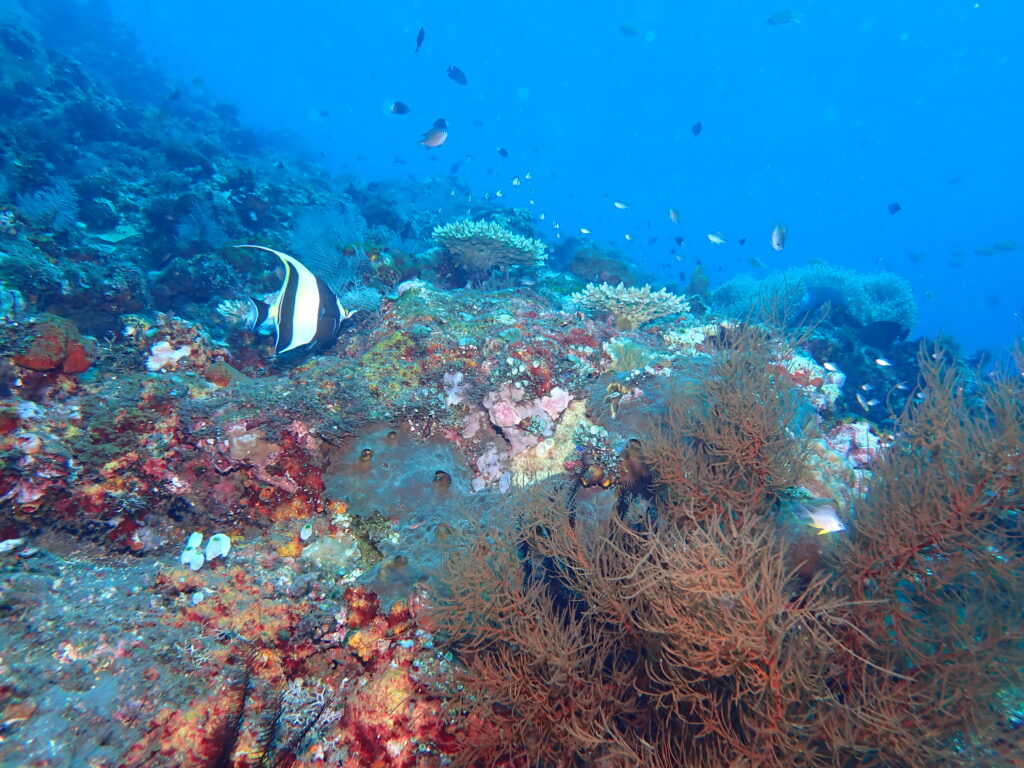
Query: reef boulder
[53, 343]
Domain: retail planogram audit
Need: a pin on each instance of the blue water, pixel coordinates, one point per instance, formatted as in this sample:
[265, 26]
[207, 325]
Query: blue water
[819, 124]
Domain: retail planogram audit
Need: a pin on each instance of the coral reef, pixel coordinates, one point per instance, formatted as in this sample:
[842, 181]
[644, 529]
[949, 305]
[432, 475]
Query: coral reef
[863, 297]
[482, 525]
[631, 307]
[481, 245]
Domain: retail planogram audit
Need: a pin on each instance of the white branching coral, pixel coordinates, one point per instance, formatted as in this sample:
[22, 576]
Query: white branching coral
[484, 244]
[631, 307]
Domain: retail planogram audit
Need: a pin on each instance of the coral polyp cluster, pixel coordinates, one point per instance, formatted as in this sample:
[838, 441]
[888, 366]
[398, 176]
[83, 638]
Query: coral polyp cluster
[631, 307]
[485, 244]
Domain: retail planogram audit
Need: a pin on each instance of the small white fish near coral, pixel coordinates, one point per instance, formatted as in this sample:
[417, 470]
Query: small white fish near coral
[882, 362]
[716, 238]
[620, 205]
[824, 518]
[779, 235]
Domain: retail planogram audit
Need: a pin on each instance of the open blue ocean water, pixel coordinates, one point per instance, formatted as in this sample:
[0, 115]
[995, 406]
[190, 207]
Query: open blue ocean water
[820, 121]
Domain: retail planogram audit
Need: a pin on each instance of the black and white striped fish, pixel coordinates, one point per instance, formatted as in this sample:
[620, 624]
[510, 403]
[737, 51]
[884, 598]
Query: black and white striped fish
[305, 313]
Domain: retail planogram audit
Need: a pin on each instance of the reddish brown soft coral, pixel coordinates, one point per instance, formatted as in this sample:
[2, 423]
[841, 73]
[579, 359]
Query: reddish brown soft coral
[362, 606]
[684, 627]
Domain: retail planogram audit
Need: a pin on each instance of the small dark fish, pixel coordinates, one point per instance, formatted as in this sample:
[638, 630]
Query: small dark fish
[175, 94]
[324, 113]
[399, 108]
[457, 75]
[455, 168]
[436, 136]
[894, 208]
[756, 263]
[679, 240]
[882, 334]
[629, 30]
[742, 241]
[814, 301]
[697, 128]
[419, 39]
[502, 151]
[788, 16]
[478, 123]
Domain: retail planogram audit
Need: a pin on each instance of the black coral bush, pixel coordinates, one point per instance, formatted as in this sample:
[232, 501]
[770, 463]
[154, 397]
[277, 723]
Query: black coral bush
[676, 629]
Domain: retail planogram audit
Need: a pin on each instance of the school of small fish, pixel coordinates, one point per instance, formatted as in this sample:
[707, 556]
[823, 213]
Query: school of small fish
[437, 135]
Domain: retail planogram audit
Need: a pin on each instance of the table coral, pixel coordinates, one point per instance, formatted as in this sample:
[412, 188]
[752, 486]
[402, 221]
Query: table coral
[484, 244]
[631, 307]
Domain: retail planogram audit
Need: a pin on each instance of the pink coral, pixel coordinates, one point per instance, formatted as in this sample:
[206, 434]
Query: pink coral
[502, 406]
[503, 414]
[555, 402]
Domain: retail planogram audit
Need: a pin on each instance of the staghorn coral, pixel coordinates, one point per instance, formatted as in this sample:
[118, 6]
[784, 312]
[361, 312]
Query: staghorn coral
[481, 245]
[631, 307]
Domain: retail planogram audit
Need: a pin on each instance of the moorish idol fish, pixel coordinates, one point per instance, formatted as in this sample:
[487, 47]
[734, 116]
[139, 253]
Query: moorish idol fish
[305, 313]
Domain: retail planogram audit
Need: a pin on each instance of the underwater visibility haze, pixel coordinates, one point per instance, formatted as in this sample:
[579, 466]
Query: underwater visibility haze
[557, 384]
